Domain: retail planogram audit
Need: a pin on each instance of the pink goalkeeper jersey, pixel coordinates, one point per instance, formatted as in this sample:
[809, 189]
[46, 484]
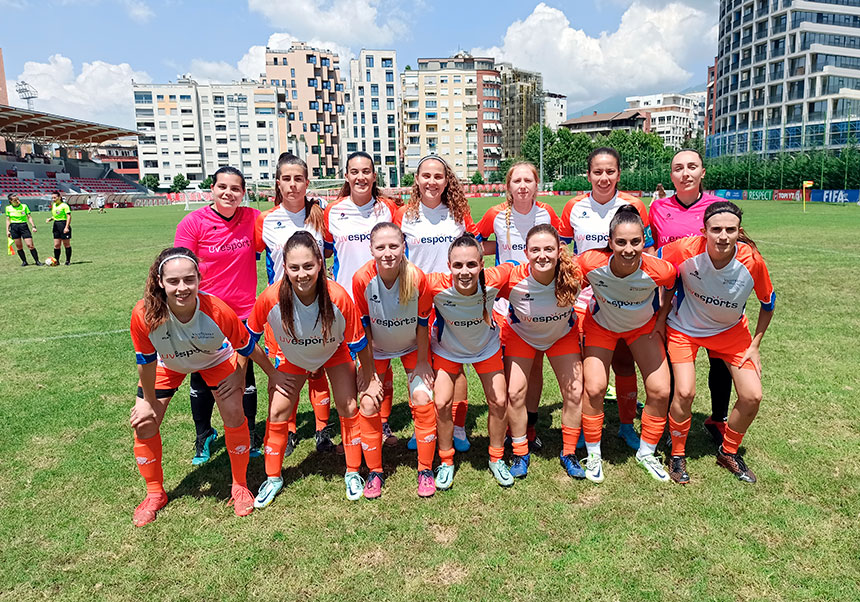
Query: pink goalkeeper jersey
[670, 220]
[228, 260]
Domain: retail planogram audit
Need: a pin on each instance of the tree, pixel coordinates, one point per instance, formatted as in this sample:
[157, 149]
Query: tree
[150, 181]
[531, 149]
[408, 179]
[477, 178]
[497, 176]
[180, 183]
[205, 184]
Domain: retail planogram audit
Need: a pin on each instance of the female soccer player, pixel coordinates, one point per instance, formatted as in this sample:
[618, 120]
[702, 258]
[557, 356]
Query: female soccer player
[17, 217]
[394, 302]
[510, 222]
[585, 220]
[348, 221]
[315, 325]
[61, 215]
[294, 211]
[626, 286]
[718, 271]
[679, 216]
[464, 333]
[436, 214]
[541, 320]
[187, 331]
[222, 236]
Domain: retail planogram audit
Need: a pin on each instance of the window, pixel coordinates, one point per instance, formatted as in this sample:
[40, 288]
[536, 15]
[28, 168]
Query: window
[374, 104]
[160, 97]
[264, 110]
[142, 98]
[386, 62]
[185, 98]
[376, 131]
[389, 76]
[369, 61]
[390, 119]
[311, 58]
[325, 62]
[373, 118]
[262, 150]
[314, 105]
[312, 82]
[326, 85]
[374, 89]
[264, 162]
[367, 76]
[376, 146]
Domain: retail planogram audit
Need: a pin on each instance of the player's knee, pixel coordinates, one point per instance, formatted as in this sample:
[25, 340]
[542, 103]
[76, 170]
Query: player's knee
[595, 390]
[368, 406]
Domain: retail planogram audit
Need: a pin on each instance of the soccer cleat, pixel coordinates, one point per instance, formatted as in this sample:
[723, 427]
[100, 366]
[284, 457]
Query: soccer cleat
[255, 451]
[373, 488]
[678, 470]
[461, 442]
[202, 453]
[735, 464]
[610, 394]
[242, 500]
[501, 472]
[323, 440]
[535, 444]
[426, 484]
[572, 466]
[268, 490]
[594, 468]
[389, 439]
[520, 466]
[24, 264]
[412, 444]
[146, 512]
[292, 443]
[354, 486]
[652, 466]
[627, 433]
[444, 476]
[716, 429]
[68, 263]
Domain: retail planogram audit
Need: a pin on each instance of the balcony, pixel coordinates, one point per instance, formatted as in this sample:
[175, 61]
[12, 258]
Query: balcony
[760, 56]
[775, 52]
[817, 116]
[757, 102]
[745, 83]
[761, 12]
[746, 61]
[795, 94]
[774, 98]
[794, 118]
[734, 66]
[778, 29]
[759, 79]
[761, 34]
[744, 105]
[757, 123]
[746, 40]
[733, 87]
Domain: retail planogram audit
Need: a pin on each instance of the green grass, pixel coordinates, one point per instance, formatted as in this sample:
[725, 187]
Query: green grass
[68, 484]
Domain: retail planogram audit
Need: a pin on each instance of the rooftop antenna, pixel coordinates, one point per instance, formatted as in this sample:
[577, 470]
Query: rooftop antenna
[26, 92]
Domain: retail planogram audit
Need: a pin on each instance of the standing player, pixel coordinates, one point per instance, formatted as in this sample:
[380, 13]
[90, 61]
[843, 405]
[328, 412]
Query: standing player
[61, 215]
[187, 331]
[294, 211]
[464, 333]
[17, 217]
[679, 216]
[626, 286]
[436, 214]
[510, 222]
[541, 320]
[585, 220]
[394, 303]
[718, 271]
[222, 236]
[315, 325]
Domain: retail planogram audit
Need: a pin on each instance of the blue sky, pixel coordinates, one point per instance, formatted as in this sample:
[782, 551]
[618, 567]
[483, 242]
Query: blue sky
[82, 54]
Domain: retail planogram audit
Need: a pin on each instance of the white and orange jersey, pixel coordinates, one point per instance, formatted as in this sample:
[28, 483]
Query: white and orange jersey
[306, 347]
[622, 304]
[207, 339]
[392, 325]
[586, 222]
[511, 230]
[430, 233]
[533, 310]
[710, 301]
[460, 333]
[347, 234]
[271, 232]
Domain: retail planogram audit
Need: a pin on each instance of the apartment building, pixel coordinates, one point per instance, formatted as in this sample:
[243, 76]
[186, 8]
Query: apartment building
[674, 117]
[522, 95]
[555, 110]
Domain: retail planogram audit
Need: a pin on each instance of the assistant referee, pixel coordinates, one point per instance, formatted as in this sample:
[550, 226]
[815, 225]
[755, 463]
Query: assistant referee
[61, 215]
[17, 217]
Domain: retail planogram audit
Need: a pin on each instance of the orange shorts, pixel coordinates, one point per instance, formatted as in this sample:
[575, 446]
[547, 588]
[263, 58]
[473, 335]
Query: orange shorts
[729, 345]
[499, 319]
[491, 364]
[409, 360]
[340, 356]
[514, 345]
[167, 380]
[595, 335]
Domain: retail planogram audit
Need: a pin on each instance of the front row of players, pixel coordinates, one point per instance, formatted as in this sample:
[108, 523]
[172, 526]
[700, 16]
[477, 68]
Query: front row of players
[308, 322]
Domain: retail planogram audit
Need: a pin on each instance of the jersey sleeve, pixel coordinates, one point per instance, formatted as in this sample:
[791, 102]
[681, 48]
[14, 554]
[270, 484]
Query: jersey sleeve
[470, 226]
[554, 220]
[353, 334]
[260, 312]
[671, 252]
[646, 221]
[397, 218]
[26, 210]
[590, 260]
[186, 235]
[144, 351]
[565, 230]
[762, 284]
[661, 271]
[425, 298]
[328, 240]
[227, 320]
[437, 282]
[359, 286]
[259, 244]
[484, 228]
[498, 277]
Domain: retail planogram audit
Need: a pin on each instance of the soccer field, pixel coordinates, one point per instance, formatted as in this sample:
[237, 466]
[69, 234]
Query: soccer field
[69, 484]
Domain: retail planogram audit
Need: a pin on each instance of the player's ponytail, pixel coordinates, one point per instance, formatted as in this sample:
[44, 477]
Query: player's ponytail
[467, 239]
[729, 207]
[407, 276]
[568, 276]
[155, 308]
[325, 318]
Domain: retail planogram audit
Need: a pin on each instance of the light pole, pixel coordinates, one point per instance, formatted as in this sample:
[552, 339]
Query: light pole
[539, 98]
[236, 101]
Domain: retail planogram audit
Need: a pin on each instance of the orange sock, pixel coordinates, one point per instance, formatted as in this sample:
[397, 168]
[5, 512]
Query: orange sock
[496, 453]
[626, 390]
[237, 440]
[446, 456]
[679, 432]
[425, 434]
[732, 441]
[320, 399]
[291, 421]
[520, 445]
[350, 433]
[459, 412]
[147, 453]
[569, 437]
[273, 446]
[652, 430]
[387, 394]
[371, 440]
[592, 426]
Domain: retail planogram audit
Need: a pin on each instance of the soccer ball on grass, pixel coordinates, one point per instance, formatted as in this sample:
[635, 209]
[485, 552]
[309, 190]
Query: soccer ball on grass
[51, 262]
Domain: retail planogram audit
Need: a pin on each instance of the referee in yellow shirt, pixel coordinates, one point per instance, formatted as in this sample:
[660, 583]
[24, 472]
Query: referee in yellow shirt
[61, 215]
[17, 217]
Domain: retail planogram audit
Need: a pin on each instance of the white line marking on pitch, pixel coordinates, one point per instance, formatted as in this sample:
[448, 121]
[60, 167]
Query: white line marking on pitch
[80, 335]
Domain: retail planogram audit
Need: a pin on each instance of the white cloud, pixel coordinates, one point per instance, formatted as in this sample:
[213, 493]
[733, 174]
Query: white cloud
[99, 92]
[205, 72]
[353, 22]
[139, 10]
[652, 50]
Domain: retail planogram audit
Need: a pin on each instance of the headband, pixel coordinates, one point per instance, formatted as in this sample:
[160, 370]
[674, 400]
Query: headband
[434, 158]
[169, 257]
[725, 209]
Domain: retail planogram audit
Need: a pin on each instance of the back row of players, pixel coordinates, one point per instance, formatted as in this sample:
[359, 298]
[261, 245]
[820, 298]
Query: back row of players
[611, 303]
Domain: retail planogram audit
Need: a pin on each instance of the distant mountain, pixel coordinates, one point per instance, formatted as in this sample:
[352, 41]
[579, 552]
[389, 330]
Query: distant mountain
[619, 103]
[697, 88]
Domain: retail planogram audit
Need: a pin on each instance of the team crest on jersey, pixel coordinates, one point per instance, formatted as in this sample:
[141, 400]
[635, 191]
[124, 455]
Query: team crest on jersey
[375, 298]
[695, 274]
[279, 225]
[343, 215]
[601, 283]
[448, 303]
[166, 336]
[584, 214]
[528, 297]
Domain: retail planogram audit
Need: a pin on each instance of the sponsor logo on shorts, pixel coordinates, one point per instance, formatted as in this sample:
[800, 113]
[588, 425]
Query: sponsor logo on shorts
[513, 247]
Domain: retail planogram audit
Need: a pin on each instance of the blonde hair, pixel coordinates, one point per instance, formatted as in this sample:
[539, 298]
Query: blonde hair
[407, 273]
[509, 199]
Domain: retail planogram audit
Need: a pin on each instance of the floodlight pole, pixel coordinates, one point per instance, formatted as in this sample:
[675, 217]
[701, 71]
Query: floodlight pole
[539, 98]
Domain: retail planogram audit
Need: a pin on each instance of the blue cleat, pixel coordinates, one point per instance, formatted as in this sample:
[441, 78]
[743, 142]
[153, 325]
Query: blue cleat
[520, 466]
[412, 444]
[461, 442]
[629, 436]
[572, 466]
[202, 448]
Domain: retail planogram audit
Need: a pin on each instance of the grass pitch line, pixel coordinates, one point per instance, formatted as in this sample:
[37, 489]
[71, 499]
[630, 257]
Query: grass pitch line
[80, 335]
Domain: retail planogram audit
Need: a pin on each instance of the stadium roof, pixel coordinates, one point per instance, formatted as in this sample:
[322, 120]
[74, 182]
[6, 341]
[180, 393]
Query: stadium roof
[609, 117]
[23, 125]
